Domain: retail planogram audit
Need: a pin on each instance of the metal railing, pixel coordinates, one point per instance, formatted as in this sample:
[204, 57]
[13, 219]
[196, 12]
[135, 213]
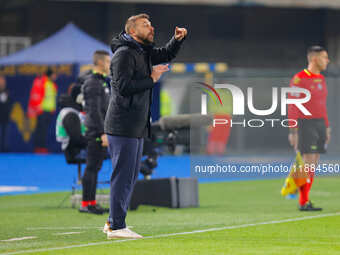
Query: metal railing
[12, 44]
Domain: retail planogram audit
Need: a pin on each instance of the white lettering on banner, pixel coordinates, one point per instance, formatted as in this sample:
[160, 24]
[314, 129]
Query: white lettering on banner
[239, 101]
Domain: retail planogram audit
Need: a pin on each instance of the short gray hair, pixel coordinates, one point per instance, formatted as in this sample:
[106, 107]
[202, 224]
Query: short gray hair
[131, 22]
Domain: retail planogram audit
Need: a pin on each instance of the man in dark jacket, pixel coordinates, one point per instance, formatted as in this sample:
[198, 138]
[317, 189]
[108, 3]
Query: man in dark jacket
[127, 121]
[96, 97]
[70, 128]
[81, 80]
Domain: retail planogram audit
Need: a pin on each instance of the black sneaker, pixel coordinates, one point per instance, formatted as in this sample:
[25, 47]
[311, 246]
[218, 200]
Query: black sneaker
[309, 207]
[90, 209]
[100, 208]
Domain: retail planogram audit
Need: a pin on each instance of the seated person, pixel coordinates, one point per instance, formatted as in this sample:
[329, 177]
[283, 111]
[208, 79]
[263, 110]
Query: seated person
[70, 129]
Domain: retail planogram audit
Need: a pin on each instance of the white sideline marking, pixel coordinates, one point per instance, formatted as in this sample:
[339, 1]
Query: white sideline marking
[7, 189]
[65, 228]
[19, 238]
[67, 233]
[62, 228]
[178, 234]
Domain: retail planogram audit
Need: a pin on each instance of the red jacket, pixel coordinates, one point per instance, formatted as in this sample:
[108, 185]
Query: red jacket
[317, 105]
[37, 95]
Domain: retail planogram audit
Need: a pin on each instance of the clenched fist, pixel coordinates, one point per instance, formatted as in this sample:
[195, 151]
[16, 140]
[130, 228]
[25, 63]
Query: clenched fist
[180, 33]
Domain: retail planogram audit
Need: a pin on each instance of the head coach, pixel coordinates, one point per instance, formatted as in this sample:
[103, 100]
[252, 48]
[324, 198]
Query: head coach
[135, 68]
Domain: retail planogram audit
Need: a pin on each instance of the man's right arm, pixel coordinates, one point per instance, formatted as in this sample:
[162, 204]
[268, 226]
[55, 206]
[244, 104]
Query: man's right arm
[293, 137]
[293, 114]
[166, 53]
[293, 111]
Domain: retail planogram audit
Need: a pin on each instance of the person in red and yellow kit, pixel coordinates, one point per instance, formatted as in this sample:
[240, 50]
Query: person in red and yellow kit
[42, 105]
[312, 133]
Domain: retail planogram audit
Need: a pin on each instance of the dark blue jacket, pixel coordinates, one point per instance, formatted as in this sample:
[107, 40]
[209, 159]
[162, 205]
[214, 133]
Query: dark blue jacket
[131, 85]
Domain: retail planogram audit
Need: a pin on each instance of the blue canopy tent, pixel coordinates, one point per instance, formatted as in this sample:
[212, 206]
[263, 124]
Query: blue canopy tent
[65, 52]
[70, 45]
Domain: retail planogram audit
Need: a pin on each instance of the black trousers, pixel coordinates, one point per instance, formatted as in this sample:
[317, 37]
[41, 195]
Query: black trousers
[95, 156]
[312, 135]
[41, 132]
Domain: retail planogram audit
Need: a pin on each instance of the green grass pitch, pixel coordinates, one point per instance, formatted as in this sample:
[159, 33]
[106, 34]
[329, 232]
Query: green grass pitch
[245, 217]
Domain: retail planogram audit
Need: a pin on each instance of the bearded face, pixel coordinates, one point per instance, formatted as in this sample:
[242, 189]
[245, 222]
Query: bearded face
[144, 31]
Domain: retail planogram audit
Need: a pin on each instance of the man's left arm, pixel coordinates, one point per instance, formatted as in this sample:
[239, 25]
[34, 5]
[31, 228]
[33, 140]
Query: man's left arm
[328, 129]
[328, 135]
[169, 52]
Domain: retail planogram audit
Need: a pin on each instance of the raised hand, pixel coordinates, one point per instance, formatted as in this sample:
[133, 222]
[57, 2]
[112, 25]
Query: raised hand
[180, 33]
